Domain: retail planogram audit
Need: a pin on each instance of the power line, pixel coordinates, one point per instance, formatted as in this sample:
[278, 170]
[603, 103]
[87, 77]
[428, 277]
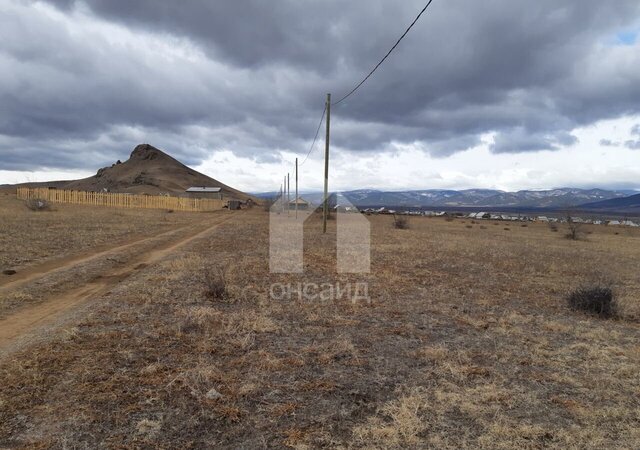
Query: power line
[316, 136]
[387, 55]
[324, 111]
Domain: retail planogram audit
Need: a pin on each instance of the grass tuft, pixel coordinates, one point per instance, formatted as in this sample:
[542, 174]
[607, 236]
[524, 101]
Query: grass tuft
[215, 282]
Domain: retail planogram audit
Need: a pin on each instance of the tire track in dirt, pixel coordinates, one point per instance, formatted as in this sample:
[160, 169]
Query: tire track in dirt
[32, 273]
[26, 320]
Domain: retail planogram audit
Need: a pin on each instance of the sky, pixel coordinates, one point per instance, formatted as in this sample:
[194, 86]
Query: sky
[503, 94]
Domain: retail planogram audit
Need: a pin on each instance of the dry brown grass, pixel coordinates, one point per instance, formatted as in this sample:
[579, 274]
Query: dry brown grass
[28, 237]
[467, 343]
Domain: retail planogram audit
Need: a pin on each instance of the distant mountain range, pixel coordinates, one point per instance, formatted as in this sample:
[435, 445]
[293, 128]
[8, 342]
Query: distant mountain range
[476, 198]
[627, 205]
[555, 198]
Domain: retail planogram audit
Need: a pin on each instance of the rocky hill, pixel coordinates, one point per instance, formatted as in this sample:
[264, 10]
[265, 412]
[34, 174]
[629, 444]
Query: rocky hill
[147, 171]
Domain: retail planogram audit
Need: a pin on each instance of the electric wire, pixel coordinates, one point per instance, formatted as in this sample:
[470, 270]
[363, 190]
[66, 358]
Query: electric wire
[350, 93]
[385, 56]
[316, 136]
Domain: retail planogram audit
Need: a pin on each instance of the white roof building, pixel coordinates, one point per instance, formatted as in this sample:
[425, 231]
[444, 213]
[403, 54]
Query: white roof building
[204, 189]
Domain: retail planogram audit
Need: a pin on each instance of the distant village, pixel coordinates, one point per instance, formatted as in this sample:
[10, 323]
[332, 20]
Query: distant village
[303, 204]
[482, 215]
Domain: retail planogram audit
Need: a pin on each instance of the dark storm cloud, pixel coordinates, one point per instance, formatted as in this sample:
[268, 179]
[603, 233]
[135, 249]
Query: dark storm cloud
[250, 76]
[608, 143]
[634, 144]
[521, 140]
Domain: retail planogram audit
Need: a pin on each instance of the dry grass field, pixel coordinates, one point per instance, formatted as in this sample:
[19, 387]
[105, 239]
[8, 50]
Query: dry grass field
[28, 238]
[466, 342]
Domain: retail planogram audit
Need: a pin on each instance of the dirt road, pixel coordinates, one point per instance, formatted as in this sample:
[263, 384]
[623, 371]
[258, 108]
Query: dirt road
[18, 326]
[37, 271]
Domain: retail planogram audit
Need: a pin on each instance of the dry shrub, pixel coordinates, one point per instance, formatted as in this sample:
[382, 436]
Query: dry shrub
[574, 231]
[400, 222]
[553, 227]
[595, 299]
[215, 282]
[38, 204]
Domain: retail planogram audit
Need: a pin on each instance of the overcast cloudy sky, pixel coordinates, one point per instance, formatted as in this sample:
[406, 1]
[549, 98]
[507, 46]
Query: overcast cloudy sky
[507, 94]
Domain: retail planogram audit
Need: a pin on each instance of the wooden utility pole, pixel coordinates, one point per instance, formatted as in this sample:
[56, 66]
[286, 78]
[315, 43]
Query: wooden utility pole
[325, 209]
[296, 199]
[288, 194]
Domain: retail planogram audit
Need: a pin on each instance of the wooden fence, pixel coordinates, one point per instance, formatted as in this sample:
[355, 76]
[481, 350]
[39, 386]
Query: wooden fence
[121, 200]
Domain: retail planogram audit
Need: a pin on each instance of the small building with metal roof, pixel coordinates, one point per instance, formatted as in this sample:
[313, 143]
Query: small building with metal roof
[301, 203]
[204, 192]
